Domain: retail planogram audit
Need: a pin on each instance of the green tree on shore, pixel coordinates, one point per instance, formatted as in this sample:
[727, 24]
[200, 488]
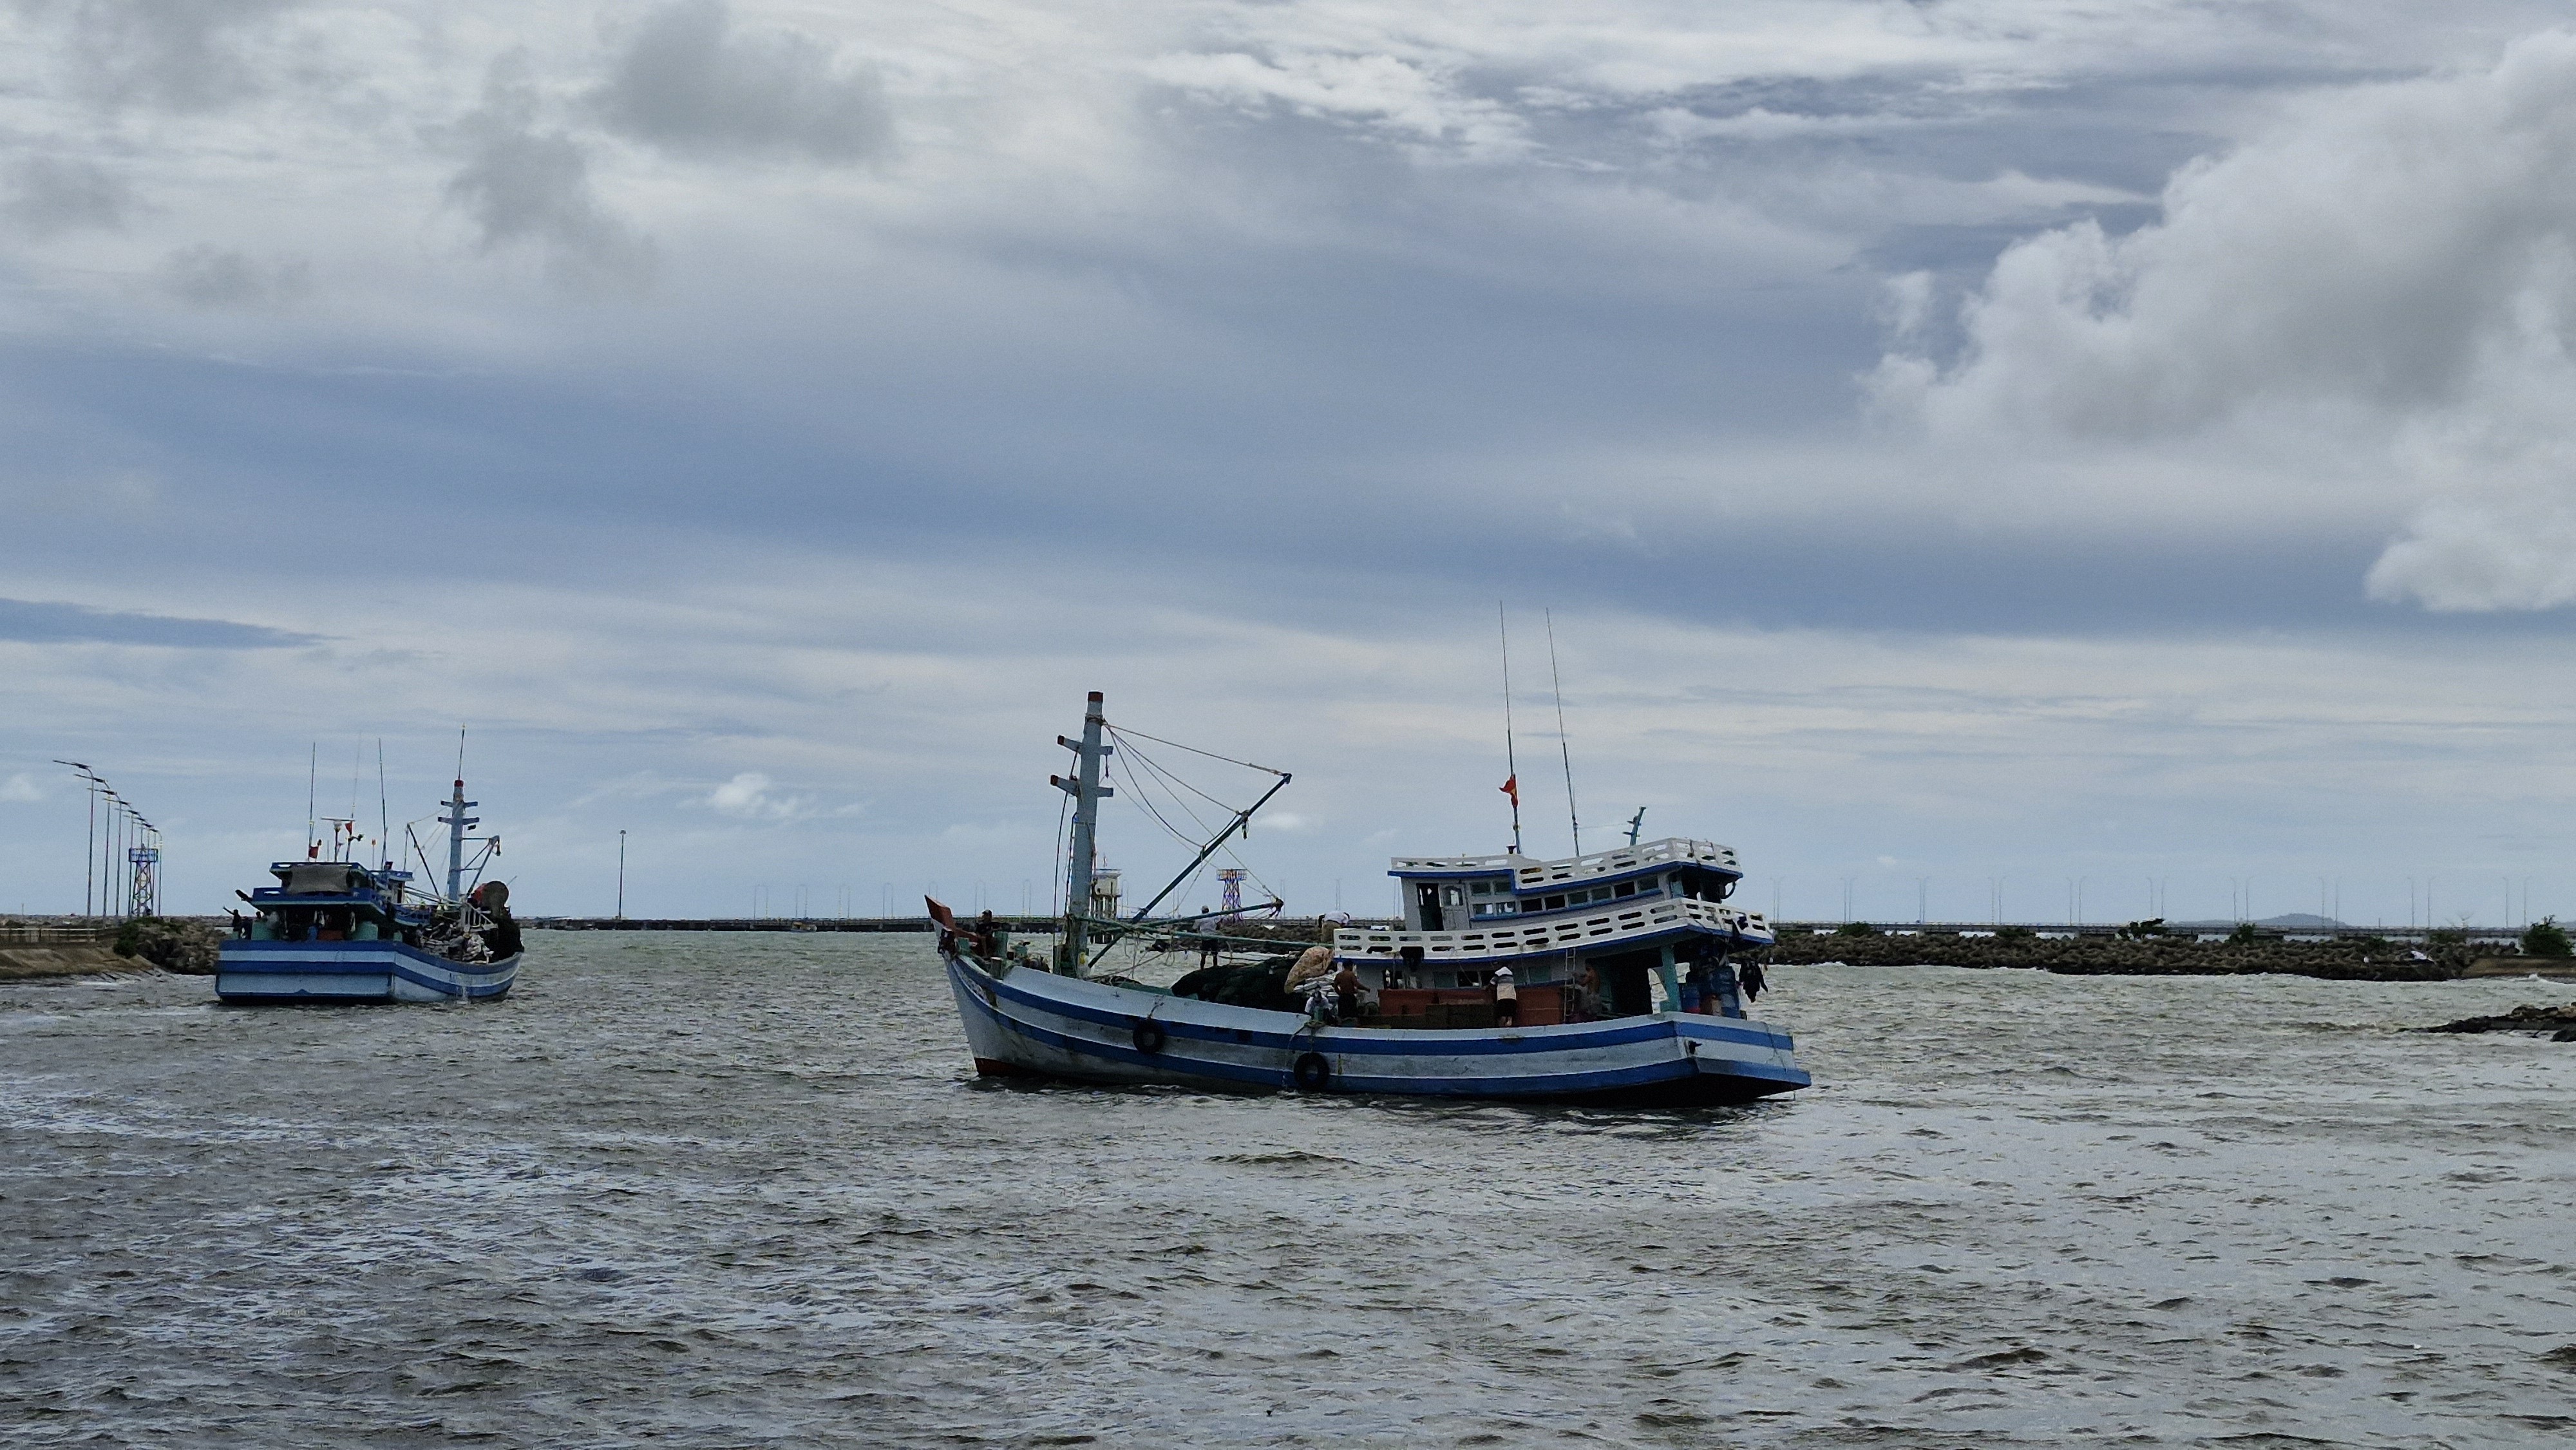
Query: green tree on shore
[2546, 938]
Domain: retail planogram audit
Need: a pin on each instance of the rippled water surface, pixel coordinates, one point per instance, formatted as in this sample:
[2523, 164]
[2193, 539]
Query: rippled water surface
[736, 1190]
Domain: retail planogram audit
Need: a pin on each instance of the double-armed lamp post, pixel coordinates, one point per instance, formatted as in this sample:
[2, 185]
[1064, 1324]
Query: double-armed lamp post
[133, 844]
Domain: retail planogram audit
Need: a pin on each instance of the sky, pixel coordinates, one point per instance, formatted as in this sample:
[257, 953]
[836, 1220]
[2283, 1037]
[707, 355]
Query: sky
[1973, 458]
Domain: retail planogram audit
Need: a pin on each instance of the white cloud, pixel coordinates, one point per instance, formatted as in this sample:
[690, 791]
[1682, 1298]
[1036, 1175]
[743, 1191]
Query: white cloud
[748, 796]
[1404, 98]
[20, 787]
[2391, 269]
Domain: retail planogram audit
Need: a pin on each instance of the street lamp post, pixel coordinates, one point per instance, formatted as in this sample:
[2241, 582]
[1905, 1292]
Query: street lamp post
[621, 875]
[89, 852]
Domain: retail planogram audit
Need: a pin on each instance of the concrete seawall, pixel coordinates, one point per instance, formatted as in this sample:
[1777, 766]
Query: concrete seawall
[22, 963]
[68, 947]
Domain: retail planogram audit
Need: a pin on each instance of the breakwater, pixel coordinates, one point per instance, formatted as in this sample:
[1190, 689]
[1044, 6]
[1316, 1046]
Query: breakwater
[2346, 958]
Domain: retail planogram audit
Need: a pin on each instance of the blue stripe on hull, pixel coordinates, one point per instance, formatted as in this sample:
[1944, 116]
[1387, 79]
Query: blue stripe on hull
[271, 971]
[1687, 1075]
[1442, 1042]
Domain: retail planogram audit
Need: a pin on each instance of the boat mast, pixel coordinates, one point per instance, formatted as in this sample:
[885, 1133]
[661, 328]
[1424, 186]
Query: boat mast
[1556, 686]
[1086, 790]
[457, 821]
[1511, 756]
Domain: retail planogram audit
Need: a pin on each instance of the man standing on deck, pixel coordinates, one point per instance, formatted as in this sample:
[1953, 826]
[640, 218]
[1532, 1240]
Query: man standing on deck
[1507, 999]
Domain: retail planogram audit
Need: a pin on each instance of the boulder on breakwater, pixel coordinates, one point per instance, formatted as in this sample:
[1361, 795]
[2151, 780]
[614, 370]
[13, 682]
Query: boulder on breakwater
[2348, 958]
[172, 943]
[2558, 1022]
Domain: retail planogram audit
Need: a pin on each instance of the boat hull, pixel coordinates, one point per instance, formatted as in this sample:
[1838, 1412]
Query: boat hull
[1032, 1023]
[354, 971]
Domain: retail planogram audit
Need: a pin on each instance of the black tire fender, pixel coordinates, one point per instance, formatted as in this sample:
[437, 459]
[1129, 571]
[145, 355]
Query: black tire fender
[1312, 1072]
[1149, 1036]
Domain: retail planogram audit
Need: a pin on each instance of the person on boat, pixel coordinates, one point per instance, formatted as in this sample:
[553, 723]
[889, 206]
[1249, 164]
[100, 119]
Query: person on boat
[1346, 994]
[1312, 965]
[988, 936]
[1507, 999]
[1320, 1000]
[1587, 995]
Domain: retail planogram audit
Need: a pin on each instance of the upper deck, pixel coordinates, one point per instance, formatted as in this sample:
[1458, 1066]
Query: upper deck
[1528, 874]
[1446, 893]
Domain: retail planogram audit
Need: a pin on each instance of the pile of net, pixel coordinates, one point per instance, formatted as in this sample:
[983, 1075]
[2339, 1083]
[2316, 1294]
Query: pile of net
[1261, 984]
[1275, 983]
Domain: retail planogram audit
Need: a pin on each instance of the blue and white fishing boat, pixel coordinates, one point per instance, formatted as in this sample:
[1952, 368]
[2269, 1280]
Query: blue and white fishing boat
[1618, 968]
[337, 930]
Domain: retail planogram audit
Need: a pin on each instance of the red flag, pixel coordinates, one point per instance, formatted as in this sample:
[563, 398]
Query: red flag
[1512, 788]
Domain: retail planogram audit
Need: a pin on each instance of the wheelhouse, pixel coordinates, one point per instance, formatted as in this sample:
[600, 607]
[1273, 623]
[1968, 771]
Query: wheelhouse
[1453, 893]
[335, 901]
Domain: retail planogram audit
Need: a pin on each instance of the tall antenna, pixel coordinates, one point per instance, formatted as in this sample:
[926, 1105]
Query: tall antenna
[312, 786]
[1557, 682]
[384, 814]
[1511, 761]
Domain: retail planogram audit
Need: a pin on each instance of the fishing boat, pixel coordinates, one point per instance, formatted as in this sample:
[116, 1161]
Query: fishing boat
[1619, 969]
[337, 930]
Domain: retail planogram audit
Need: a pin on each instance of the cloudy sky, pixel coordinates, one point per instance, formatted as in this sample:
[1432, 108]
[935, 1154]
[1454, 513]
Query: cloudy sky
[2063, 446]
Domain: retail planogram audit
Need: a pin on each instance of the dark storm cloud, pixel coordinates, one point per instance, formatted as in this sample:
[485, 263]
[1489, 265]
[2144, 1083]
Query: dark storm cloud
[180, 55]
[221, 280]
[28, 621]
[687, 82]
[47, 196]
[525, 185]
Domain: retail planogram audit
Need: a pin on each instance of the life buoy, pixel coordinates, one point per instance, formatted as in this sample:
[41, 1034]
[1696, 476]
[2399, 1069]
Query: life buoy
[1312, 1072]
[1149, 1036]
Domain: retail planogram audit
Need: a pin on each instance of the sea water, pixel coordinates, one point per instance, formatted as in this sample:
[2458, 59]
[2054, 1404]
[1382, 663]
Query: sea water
[733, 1190]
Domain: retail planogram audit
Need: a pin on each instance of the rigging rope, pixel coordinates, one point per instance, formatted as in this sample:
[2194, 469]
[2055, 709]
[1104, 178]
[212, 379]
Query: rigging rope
[1168, 780]
[1192, 749]
[1055, 892]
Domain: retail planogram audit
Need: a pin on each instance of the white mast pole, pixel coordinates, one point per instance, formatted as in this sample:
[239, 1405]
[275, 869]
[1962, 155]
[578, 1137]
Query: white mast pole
[1086, 791]
[1511, 759]
[1557, 681]
[457, 821]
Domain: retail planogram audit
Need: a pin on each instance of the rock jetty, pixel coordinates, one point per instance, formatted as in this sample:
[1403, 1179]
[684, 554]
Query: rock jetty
[2558, 1022]
[85, 947]
[2350, 958]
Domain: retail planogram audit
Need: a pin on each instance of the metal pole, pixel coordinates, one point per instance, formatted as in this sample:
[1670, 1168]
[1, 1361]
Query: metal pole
[621, 875]
[1565, 751]
[89, 852]
[1086, 823]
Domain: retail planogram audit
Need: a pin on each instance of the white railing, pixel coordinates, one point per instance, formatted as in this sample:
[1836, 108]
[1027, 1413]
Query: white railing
[1601, 928]
[1458, 863]
[1671, 849]
[1674, 850]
